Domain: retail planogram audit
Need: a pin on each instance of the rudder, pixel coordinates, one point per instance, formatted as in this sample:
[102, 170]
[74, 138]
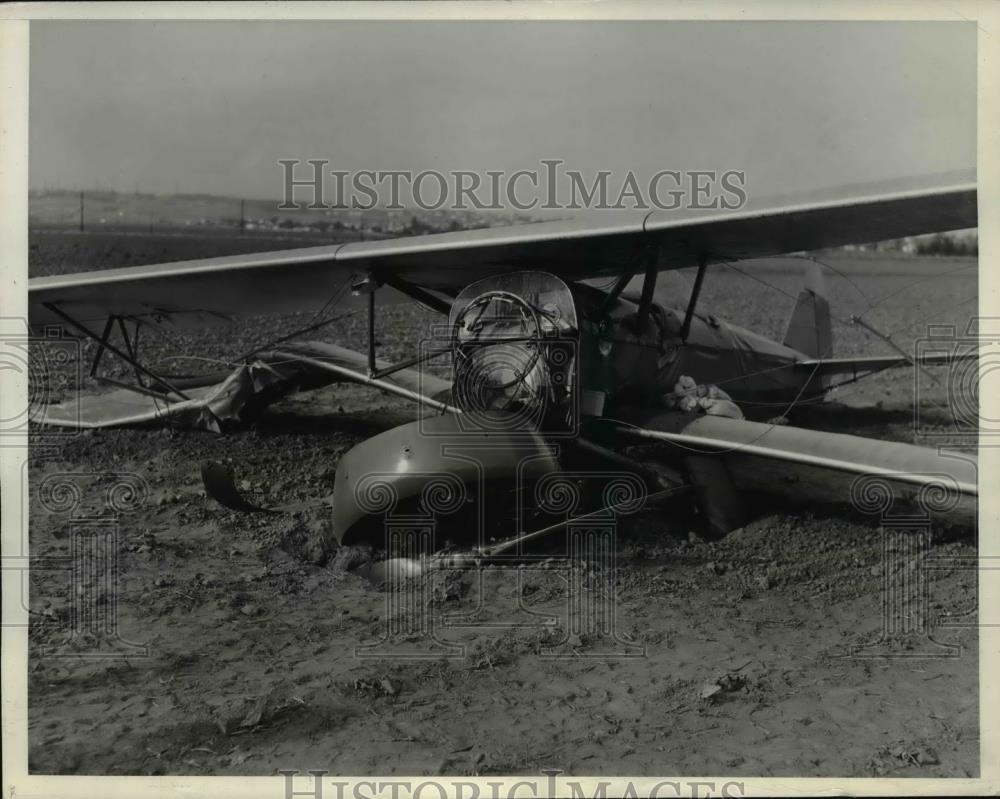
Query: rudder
[809, 329]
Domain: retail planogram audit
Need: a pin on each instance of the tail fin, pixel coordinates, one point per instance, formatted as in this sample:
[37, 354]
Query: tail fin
[808, 328]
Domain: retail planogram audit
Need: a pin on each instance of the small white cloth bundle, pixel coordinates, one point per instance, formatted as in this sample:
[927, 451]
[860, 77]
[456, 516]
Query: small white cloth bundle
[690, 397]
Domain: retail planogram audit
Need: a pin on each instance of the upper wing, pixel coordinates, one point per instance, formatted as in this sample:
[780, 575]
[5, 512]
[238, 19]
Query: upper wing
[306, 279]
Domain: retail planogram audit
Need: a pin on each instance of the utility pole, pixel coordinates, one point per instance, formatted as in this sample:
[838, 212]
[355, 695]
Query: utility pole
[81, 211]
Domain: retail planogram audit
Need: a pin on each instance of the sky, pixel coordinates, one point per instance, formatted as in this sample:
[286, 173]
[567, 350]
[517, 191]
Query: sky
[210, 107]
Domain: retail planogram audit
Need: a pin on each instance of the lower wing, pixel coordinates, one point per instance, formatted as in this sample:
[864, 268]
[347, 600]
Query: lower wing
[266, 379]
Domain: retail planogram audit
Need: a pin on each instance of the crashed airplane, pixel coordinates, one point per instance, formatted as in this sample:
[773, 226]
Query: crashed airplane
[548, 369]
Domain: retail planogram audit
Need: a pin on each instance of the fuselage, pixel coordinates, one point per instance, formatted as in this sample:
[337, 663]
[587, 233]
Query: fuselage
[755, 371]
[532, 338]
[752, 369]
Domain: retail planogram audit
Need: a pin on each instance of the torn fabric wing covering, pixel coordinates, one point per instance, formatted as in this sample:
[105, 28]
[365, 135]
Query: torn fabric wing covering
[250, 388]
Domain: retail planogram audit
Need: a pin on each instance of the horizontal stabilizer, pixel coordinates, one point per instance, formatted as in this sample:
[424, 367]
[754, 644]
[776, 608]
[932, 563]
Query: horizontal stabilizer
[857, 367]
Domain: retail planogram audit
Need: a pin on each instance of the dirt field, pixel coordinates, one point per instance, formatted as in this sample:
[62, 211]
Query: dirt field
[234, 647]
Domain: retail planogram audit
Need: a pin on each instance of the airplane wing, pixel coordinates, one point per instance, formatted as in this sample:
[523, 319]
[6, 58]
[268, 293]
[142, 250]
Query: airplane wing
[307, 279]
[808, 466]
[243, 393]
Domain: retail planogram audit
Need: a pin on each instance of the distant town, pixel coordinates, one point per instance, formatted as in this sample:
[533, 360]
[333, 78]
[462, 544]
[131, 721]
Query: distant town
[96, 209]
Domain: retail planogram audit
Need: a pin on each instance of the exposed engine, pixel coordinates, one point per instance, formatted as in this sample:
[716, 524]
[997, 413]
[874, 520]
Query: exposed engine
[550, 352]
[514, 341]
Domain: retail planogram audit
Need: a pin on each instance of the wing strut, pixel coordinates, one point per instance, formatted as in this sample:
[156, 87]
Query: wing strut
[371, 334]
[416, 293]
[619, 287]
[693, 301]
[648, 287]
[100, 347]
[370, 286]
[414, 361]
[105, 344]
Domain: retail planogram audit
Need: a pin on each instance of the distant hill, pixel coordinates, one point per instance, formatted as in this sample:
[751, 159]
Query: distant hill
[109, 210]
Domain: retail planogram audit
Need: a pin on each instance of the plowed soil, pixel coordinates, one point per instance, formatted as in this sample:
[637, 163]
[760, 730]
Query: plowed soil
[234, 643]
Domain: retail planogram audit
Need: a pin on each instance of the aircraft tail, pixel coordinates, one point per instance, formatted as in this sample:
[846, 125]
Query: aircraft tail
[808, 329]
